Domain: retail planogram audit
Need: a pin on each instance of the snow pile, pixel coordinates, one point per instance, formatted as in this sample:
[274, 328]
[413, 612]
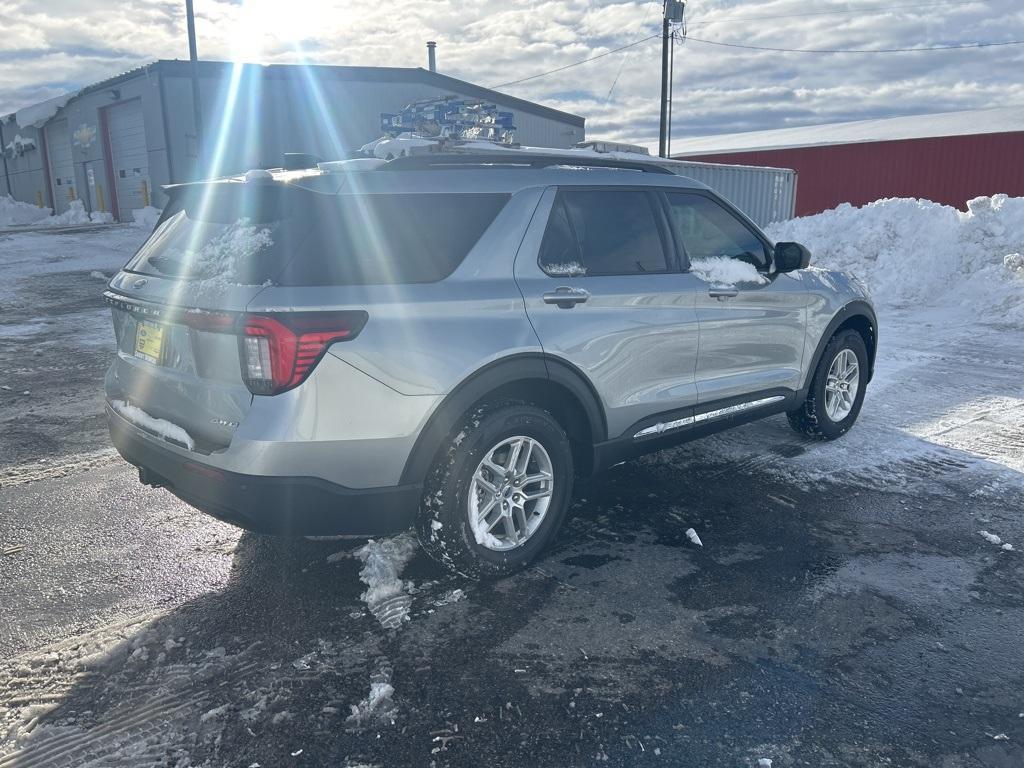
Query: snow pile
[164, 429]
[919, 253]
[386, 594]
[14, 213]
[146, 218]
[722, 270]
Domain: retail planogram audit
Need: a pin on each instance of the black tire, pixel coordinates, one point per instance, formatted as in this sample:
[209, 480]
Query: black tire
[811, 418]
[443, 524]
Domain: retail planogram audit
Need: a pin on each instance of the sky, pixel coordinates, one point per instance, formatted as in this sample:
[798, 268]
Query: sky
[50, 47]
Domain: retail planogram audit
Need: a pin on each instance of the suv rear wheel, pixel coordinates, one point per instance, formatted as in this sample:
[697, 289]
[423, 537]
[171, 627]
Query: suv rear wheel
[498, 494]
[837, 389]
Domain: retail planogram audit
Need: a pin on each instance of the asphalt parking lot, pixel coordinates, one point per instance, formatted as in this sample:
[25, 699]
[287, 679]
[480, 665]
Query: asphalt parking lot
[842, 611]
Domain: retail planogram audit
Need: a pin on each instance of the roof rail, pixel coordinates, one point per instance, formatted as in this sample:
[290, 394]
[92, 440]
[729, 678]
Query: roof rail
[441, 160]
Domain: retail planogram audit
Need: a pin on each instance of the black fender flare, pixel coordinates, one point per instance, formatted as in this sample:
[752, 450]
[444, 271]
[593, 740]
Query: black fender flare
[855, 308]
[491, 377]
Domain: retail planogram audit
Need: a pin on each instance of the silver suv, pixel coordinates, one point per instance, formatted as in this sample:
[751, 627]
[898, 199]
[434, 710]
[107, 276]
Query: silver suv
[446, 341]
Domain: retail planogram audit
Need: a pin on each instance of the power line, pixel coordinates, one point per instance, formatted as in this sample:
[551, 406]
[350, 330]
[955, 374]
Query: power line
[575, 63]
[780, 50]
[856, 50]
[860, 9]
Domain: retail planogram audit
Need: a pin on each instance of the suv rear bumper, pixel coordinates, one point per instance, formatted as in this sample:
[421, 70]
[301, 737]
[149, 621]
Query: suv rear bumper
[295, 506]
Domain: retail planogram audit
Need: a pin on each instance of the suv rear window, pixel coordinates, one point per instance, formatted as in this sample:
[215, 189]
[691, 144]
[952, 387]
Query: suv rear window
[296, 238]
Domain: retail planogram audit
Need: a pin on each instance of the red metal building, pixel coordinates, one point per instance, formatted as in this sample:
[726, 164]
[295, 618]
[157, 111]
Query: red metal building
[949, 157]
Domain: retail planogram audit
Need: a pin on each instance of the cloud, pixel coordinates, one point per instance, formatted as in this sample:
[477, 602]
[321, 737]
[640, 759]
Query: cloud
[64, 44]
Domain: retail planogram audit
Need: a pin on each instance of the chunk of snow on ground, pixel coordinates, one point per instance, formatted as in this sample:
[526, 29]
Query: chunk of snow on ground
[101, 217]
[912, 252]
[722, 270]
[14, 213]
[145, 218]
[764, 762]
[214, 714]
[1008, 547]
[387, 594]
[692, 536]
[991, 538]
[98, 275]
[161, 427]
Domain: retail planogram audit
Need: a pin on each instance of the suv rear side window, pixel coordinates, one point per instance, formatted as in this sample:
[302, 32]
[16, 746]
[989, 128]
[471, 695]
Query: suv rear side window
[303, 239]
[707, 230]
[391, 238]
[602, 232]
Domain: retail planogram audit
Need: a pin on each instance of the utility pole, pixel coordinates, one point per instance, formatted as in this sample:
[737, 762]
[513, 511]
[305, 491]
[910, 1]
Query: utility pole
[193, 57]
[673, 14]
[663, 134]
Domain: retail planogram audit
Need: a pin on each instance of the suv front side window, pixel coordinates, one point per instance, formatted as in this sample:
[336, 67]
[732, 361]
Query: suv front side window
[707, 230]
[602, 232]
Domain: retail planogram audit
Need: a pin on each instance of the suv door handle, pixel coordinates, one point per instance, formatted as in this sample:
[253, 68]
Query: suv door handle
[723, 293]
[565, 297]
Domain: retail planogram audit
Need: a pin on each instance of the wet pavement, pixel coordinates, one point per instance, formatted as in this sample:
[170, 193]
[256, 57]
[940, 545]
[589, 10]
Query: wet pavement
[819, 626]
[843, 610]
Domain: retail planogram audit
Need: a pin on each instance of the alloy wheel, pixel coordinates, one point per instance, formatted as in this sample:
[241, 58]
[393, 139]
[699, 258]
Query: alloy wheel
[510, 493]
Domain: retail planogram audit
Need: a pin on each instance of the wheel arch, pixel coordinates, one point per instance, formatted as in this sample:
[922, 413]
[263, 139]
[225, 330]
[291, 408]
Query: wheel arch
[536, 378]
[857, 315]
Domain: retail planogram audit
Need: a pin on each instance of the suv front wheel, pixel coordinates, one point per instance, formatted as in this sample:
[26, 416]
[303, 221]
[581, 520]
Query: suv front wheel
[498, 494]
[837, 389]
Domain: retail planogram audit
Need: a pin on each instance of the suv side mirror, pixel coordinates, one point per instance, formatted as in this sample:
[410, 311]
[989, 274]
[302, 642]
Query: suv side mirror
[790, 256]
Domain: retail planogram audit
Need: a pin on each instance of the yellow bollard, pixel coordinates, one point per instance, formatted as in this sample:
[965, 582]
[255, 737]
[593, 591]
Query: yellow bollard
[39, 199]
[145, 194]
[99, 198]
[71, 193]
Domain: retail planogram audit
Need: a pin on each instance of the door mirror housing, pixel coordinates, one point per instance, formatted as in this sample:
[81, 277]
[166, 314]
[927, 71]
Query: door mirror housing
[791, 256]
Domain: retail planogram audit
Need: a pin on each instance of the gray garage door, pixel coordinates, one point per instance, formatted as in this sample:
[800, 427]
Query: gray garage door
[129, 159]
[62, 169]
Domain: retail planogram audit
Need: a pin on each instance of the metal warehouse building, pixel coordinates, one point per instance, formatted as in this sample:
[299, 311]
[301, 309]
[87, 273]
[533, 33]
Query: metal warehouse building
[949, 157]
[113, 144]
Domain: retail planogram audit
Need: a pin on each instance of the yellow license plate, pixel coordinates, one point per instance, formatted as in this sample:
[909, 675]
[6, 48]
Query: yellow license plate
[149, 341]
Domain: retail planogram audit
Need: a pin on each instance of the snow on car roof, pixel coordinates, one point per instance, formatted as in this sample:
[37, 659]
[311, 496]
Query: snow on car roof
[999, 120]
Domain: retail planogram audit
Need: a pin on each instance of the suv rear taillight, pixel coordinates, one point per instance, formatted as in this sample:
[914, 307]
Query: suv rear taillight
[279, 350]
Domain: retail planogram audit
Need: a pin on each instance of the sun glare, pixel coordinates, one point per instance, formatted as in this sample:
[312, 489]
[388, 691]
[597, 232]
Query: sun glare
[265, 25]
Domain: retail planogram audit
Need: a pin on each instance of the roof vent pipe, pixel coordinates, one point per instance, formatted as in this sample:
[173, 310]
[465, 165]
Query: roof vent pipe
[431, 56]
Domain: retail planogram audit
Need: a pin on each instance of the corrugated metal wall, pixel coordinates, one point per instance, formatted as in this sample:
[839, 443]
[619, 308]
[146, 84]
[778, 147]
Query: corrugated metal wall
[948, 170]
[328, 116]
[764, 194]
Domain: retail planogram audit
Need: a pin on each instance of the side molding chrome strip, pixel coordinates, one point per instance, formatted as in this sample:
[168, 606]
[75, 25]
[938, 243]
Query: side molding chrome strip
[666, 426]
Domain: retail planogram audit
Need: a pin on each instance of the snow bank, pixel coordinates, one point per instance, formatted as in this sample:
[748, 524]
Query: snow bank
[919, 253]
[14, 213]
